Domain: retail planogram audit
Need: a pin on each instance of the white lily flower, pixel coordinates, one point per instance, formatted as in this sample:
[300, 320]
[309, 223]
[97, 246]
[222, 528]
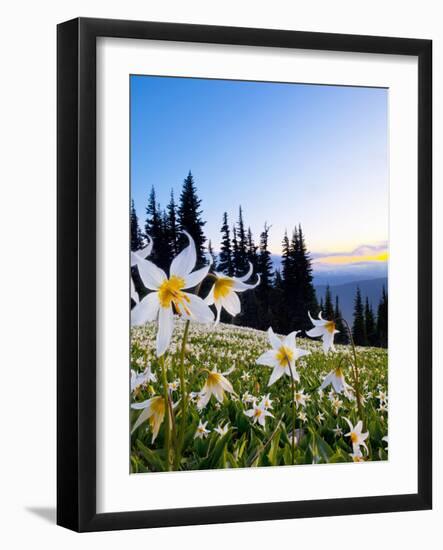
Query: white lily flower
[136, 257]
[282, 356]
[258, 413]
[355, 433]
[266, 402]
[142, 378]
[325, 329]
[201, 431]
[302, 416]
[300, 398]
[223, 292]
[168, 295]
[154, 411]
[222, 430]
[337, 379]
[338, 432]
[173, 386]
[357, 455]
[216, 384]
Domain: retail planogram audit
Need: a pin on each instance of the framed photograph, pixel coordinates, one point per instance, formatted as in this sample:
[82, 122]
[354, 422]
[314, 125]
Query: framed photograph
[244, 274]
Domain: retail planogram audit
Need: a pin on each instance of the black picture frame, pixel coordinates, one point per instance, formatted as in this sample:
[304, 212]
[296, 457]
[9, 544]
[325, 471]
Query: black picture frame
[76, 280]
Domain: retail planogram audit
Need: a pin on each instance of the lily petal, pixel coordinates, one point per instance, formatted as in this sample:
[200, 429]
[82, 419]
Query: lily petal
[184, 262]
[273, 339]
[146, 310]
[277, 373]
[198, 310]
[165, 329]
[151, 275]
[231, 303]
[268, 359]
[195, 278]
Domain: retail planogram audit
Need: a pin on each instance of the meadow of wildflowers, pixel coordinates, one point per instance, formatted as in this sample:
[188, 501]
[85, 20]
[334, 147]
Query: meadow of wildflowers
[206, 394]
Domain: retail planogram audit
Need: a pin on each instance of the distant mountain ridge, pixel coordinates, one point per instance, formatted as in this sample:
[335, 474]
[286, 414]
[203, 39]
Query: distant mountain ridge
[372, 288]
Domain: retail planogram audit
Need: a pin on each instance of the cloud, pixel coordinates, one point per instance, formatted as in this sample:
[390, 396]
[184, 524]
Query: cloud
[365, 253]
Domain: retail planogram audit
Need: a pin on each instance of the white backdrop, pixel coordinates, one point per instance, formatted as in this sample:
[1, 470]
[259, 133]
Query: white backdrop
[27, 289]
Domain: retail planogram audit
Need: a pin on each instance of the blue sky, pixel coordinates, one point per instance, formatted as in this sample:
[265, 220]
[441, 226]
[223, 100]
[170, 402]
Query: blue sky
[288, 153]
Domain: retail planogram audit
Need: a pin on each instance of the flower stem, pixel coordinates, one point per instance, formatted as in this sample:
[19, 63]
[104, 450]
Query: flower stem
[184, 403]
[293, 414]
[167, 413]
[355, 371]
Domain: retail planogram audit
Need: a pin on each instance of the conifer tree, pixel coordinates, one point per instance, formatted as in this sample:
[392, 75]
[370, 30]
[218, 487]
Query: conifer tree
[242, 245]
[264, 268]
[235, 252]
[342, 336]
[252, 250]
[172, 225]
[359, 327]
[225, 263]
[189, 216]
[306, 299]
[154, 228]
[328, 308]
[371, 334]
[136, 234]
[382, 320]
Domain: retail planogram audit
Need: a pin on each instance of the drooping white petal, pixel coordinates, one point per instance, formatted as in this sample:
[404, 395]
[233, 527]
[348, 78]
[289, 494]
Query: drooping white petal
[218, 309]
[195, 278]
[143, 416]
[239, 286]
[218, 392]
[203, 399]
[151, 275]
[134, 294]
[245, 277]
[277, 373]
[141, 405]
[318, 323]
[184, 262]
[268, 359]
[295, 374]
[231, 303]
[314, 332]
[196, 310]
[328, 341]
[209, 300]
[327, 381]
[165, 328]
[146, 310]
[146, 251]
[273, 339]
[301, 353]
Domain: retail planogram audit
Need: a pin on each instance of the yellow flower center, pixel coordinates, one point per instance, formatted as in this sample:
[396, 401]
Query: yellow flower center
[157, 409]
[330, 326]
[222, 287]
[170, 292]
[354, 437]
[257, 412]
[214, 378]
[284, 356]
[338, 372]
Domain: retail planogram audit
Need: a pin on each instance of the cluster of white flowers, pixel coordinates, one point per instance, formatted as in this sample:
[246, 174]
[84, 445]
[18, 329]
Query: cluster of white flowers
[171, 298]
